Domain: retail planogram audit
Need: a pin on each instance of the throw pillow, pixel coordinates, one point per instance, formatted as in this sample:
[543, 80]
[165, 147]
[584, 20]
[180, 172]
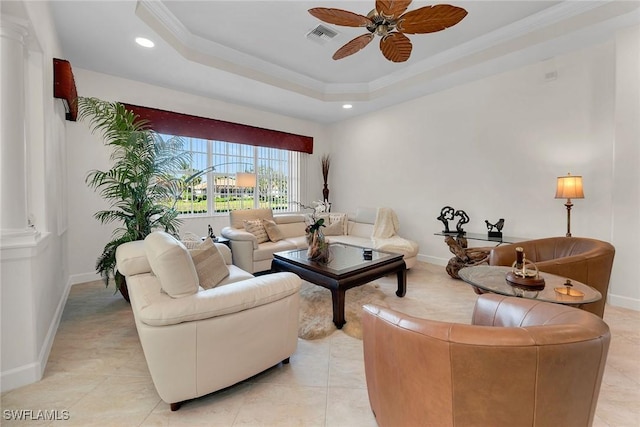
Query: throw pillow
[209, 264]
[333, 229]
[171, 263]
[340, 218]
[272, 229]
[255, 227]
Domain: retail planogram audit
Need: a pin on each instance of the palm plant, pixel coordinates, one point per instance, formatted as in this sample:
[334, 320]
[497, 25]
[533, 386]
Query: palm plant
[141, 187]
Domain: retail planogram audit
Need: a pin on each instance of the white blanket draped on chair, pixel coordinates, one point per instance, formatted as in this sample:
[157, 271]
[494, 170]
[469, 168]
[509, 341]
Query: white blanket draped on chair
[385, 236]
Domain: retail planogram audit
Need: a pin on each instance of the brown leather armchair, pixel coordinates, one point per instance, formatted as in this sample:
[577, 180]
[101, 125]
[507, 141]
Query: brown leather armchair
[586, 260]
[521, 362]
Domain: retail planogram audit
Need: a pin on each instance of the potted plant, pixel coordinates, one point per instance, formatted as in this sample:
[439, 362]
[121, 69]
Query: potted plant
[142, 185]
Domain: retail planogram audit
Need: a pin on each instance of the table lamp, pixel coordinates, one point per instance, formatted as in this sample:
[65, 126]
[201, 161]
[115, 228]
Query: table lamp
[569, 187]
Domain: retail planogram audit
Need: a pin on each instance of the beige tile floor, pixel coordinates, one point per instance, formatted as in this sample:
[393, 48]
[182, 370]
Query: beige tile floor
[98, 374]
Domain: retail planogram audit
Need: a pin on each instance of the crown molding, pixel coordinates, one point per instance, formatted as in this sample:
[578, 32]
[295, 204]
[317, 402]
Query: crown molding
[207, 52]
[542, 26]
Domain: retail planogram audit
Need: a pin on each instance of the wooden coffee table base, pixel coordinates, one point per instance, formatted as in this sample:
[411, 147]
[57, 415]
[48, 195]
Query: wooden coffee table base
[339, 284]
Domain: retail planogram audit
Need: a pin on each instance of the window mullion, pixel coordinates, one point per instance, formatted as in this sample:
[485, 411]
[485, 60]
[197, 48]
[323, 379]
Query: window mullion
[256, 191]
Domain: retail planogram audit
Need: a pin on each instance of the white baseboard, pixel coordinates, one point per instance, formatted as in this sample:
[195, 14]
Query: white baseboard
[624, 302]
[433, 260]
[33, 372]
[20, 376]
[75, 279]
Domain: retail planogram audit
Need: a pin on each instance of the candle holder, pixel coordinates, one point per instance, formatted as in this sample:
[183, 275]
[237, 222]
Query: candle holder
[567, 293]
[524, 275]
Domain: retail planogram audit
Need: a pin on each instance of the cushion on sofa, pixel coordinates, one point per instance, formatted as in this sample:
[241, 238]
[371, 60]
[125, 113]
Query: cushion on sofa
[209, 264]
[131, 258]
[333, 229]
[237, 217]
[360, 229]
[339, 218]
[171, 263]
[366, 215]
[272, 229]
[156, 309]
[290, 225]
[255, 227]
[300, 242]
[267, 249]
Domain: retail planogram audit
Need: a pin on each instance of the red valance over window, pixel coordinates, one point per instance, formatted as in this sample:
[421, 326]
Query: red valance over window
[172, 123]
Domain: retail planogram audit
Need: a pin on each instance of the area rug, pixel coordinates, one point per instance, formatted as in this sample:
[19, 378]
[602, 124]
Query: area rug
[316, 313]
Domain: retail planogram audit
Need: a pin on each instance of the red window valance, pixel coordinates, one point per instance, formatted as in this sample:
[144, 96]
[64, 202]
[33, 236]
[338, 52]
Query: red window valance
[64, 87]
[173, 123]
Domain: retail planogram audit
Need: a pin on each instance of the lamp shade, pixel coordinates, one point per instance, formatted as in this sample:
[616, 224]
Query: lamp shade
[569, 187]
[244, 179]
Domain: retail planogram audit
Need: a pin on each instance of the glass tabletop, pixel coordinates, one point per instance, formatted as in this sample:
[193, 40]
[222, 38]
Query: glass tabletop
[484, 237]
[493, 279]
[343, 258]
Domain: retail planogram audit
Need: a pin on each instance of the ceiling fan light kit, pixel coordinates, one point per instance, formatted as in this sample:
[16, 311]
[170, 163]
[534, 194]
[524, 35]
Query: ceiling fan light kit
[390, 22]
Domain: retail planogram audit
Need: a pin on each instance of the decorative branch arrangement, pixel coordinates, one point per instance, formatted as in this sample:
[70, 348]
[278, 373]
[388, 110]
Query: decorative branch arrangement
[326, 163]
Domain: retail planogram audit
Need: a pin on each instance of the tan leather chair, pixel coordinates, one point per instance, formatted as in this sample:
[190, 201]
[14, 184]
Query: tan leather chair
[521, 362]
[586, 260]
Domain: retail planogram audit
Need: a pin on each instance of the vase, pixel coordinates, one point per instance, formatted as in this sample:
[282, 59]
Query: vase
[121, 284]
[318, 250]
[325, 193]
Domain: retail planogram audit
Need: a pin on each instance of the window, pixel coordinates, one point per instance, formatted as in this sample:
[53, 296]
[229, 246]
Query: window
[215, 182]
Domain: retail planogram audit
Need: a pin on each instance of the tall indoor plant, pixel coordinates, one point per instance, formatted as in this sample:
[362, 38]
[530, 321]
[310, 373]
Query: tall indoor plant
[142, 184]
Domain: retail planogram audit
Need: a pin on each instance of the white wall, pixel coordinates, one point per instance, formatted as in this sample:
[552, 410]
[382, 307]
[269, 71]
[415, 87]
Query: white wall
[494, 148]
[86, 152]
[34, 282]
[626, 175]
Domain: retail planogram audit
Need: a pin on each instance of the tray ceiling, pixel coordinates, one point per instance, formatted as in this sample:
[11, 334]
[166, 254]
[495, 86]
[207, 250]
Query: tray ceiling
[257, 53]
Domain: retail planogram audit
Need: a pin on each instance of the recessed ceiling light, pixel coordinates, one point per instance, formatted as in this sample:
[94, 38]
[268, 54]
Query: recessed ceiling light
[144, 42]
[347, 106]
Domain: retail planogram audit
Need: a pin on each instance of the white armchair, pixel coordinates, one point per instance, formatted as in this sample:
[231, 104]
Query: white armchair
[205, 340]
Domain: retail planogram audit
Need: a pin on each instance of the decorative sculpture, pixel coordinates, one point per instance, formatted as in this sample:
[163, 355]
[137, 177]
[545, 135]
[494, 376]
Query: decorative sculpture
[464, 218]
[497, 226]
[210, 232]
[446, 214]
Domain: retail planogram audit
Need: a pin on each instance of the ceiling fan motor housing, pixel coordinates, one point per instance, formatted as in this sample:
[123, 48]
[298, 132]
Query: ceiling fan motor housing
[381, 25]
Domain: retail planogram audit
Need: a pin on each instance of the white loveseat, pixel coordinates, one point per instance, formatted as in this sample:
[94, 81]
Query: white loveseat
[208, 339]
[358, 229]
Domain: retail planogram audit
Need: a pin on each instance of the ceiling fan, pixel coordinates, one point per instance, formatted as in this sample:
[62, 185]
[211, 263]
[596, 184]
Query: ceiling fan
[389, 21]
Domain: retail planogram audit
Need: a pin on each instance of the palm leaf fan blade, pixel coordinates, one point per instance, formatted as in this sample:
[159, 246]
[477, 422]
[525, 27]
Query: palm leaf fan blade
[353, 46]
[430, 19]
[340, 17]
[391, 8]
[396, 47]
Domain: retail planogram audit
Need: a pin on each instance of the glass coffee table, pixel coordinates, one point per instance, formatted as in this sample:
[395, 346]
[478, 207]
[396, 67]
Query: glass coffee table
[486, 278]
[347, 268]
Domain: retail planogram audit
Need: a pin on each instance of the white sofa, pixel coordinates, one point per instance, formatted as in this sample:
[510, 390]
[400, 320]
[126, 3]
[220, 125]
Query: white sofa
[209, 339]
[358, 230]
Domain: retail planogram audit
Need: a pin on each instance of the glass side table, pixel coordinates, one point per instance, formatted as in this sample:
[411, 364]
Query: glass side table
[486, 278]
[468, 257]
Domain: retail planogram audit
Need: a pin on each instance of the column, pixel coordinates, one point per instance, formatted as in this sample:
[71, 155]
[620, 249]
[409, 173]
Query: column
[13, 183]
